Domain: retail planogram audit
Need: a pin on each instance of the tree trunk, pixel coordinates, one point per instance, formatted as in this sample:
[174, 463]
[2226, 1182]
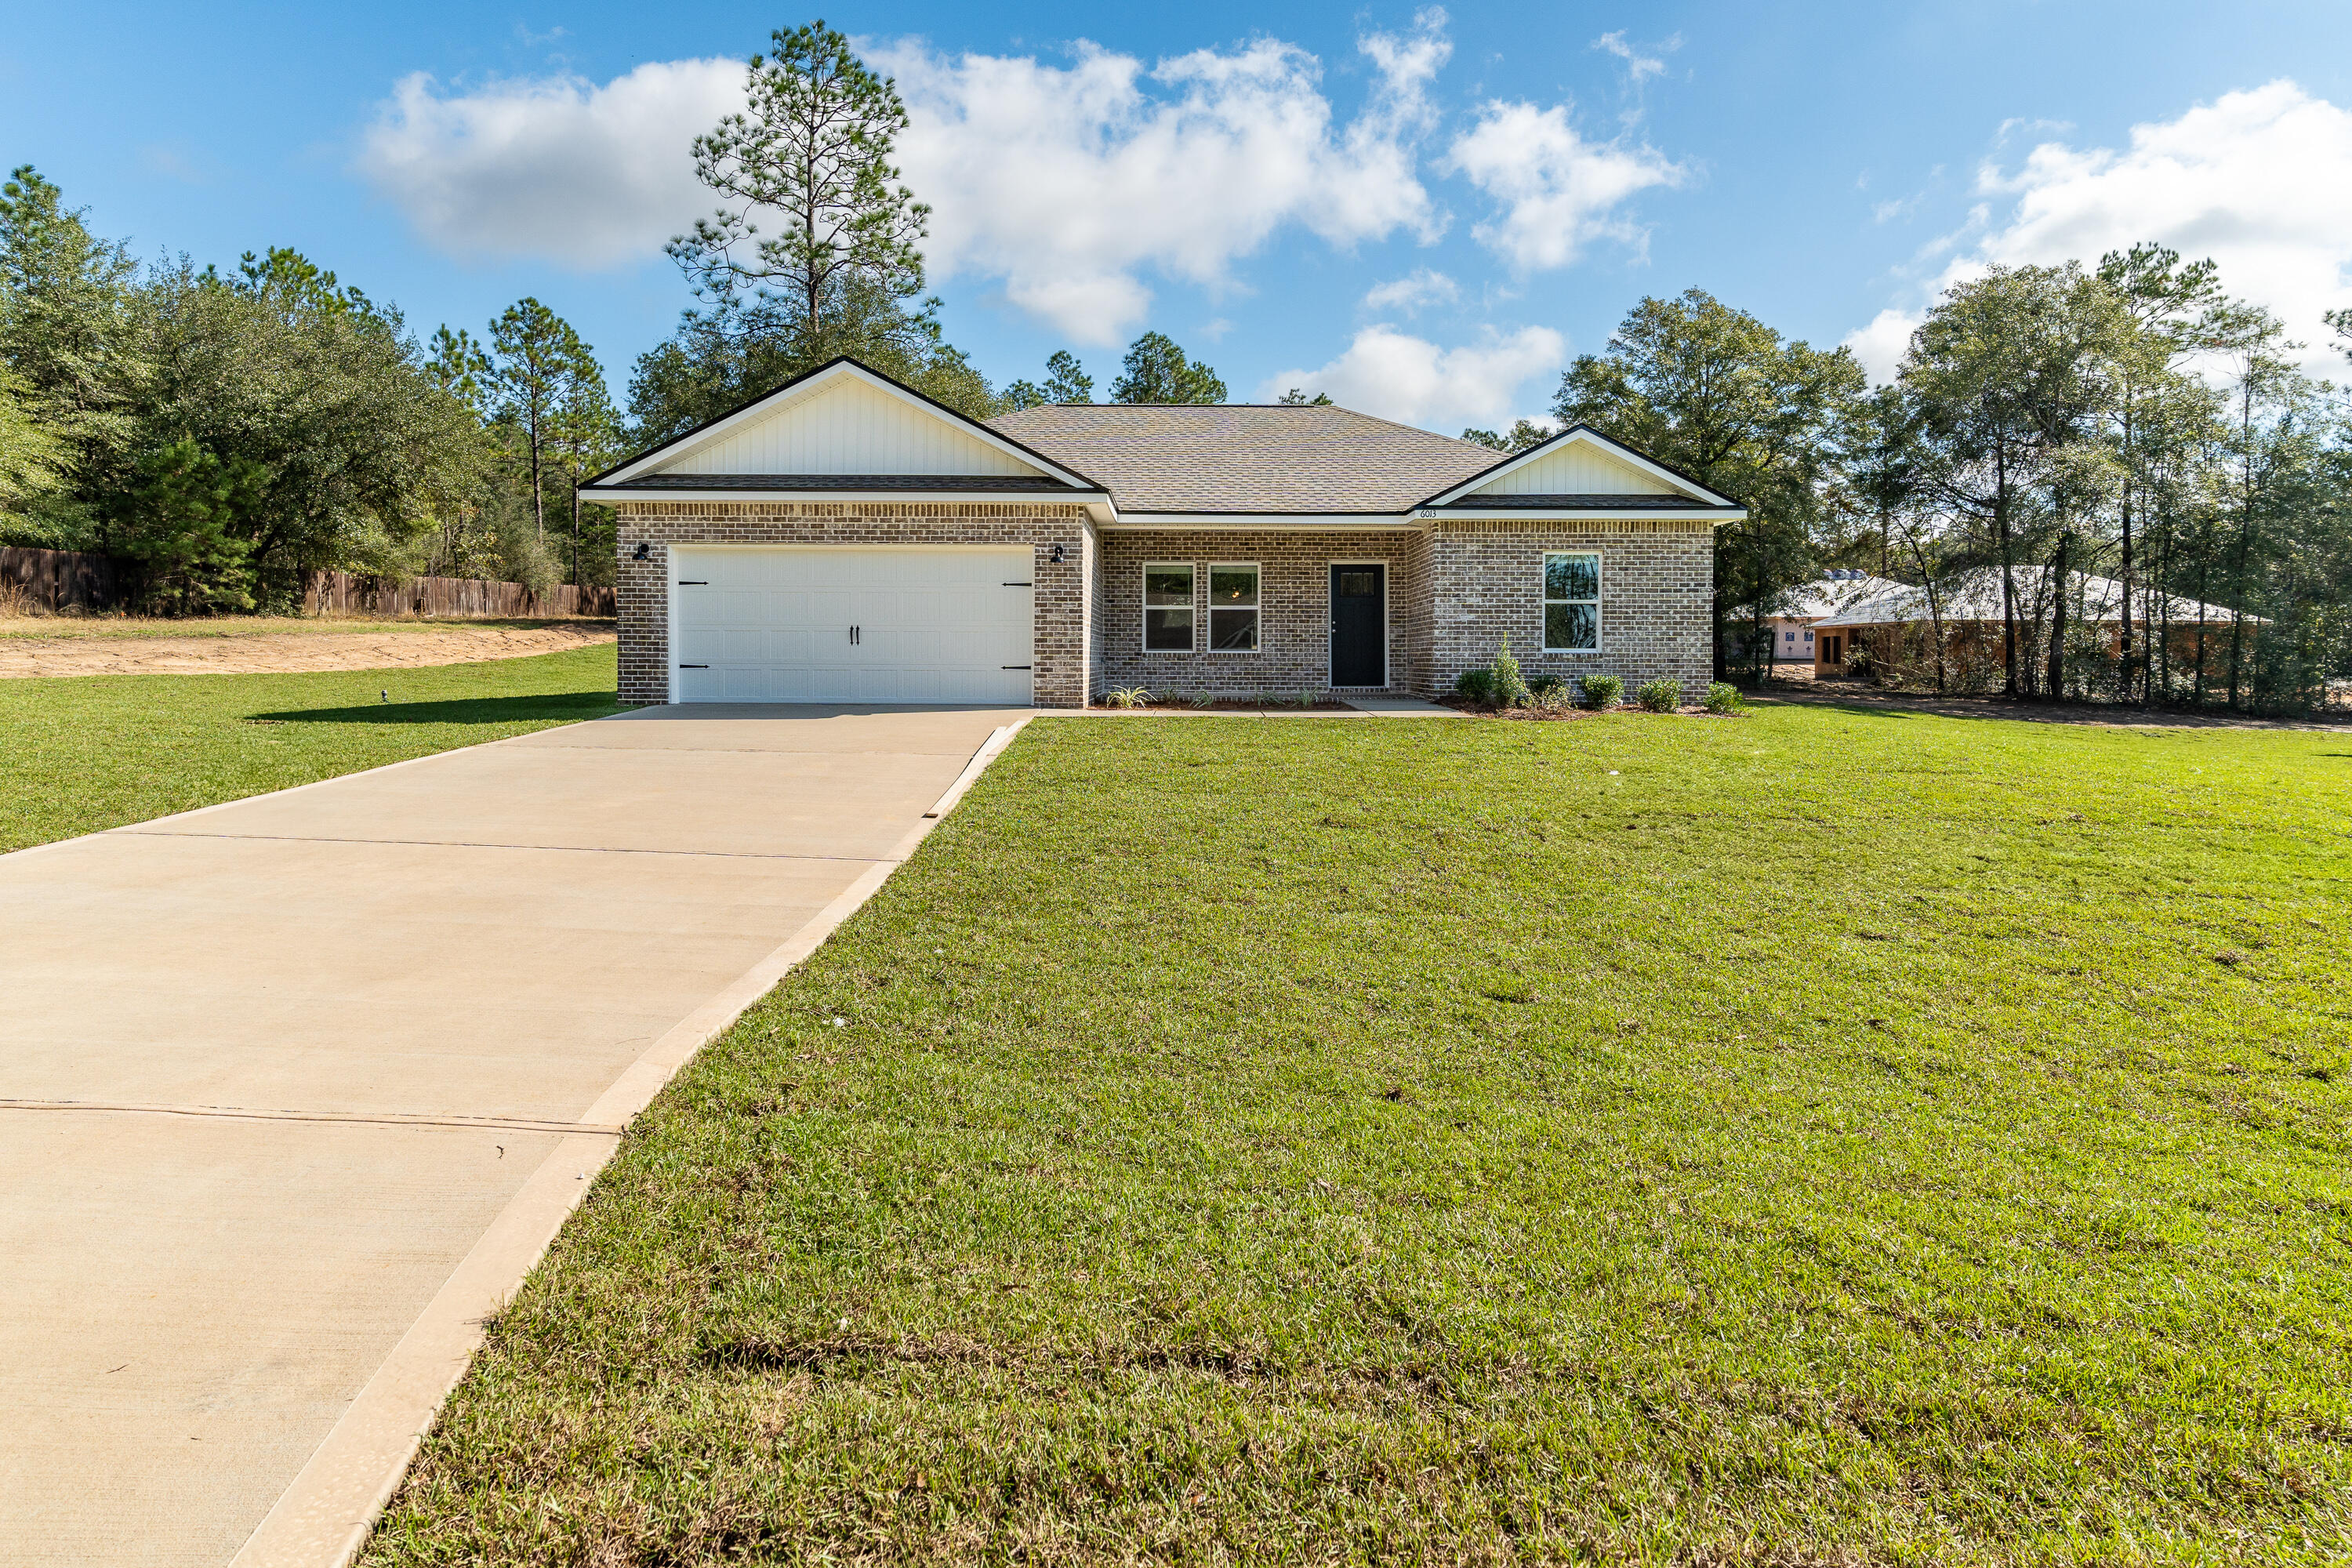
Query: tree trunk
[2058, 622]
[2007, 575]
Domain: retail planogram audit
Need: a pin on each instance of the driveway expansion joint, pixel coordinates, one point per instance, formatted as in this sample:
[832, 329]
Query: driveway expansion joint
[142, 832]
[363, 1118]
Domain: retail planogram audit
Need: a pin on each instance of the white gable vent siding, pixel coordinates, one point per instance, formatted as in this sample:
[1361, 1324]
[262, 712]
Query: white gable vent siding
[1576, 469]
[847, 428]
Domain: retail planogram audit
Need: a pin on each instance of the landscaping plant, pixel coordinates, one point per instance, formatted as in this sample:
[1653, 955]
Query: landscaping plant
[1660, 696]
[1722, 697]
[1602, 691]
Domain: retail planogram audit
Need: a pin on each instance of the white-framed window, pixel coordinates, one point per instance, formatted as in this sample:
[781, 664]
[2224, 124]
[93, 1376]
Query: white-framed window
[1233, 606]
[1571, 601]
[1168, 606]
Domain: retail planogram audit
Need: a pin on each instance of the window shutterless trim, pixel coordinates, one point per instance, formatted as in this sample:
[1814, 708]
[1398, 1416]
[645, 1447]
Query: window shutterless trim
[1256, 606]
[1191, 606]
[1544, 601]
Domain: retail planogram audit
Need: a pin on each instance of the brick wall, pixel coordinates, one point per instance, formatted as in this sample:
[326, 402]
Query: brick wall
[1657, 583]
[1063, 674]
[1294, 649]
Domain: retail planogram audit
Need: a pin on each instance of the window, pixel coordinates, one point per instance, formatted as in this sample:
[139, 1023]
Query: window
[1232, 609]
[1572, 604]
[1167, 608]
[1789, 636]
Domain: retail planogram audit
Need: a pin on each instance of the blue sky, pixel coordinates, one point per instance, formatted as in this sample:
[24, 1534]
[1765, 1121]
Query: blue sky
[1423, 212]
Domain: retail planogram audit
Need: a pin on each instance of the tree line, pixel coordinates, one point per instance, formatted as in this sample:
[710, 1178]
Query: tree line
[232, 432]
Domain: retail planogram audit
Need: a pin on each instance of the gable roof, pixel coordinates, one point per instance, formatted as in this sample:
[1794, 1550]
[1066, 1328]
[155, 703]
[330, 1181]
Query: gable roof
[954, 441]
[1256, 458]
[1676, 490]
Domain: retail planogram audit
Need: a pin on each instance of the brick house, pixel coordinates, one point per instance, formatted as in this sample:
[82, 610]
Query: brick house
[845, 539]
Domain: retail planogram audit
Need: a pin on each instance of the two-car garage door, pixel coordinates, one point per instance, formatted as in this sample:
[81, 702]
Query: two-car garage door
[811, 624]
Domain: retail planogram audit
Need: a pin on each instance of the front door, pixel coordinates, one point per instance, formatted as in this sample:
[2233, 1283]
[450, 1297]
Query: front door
[1359, 626]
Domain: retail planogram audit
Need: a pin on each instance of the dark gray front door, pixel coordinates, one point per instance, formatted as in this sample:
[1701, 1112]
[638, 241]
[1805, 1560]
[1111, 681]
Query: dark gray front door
[1360, 614]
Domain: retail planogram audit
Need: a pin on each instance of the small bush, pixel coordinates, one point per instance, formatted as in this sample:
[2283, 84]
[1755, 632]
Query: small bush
[1660, 696]
[1129, 697]
[1601, 690]
[1551, 696]
[1477, 685]
[1510, 690]
[1724, 698]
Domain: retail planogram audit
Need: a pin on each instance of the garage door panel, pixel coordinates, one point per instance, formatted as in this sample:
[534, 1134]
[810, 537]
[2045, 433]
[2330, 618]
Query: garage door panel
[773, 624]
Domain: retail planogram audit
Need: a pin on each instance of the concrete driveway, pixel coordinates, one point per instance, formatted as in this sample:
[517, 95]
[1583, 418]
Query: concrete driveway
[289, 1083]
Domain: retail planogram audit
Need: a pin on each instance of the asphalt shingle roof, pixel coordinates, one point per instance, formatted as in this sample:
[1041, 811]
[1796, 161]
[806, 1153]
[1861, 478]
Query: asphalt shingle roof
[989, 482]
[1155, 458]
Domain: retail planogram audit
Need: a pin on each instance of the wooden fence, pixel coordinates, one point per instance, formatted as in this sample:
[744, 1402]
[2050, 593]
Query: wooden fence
[33, 581]
[342, 594]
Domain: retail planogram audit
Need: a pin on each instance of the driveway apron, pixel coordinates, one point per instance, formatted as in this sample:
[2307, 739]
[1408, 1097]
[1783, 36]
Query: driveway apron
[269, 1071]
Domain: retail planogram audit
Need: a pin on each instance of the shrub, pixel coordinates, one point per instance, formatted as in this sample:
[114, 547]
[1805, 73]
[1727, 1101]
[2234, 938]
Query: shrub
[1601, 690]
[1129, 697]
[1477, 685]
[1510, 690]
[1659, 695]
[1723, 697]
[1551, 696]
[1309, 697]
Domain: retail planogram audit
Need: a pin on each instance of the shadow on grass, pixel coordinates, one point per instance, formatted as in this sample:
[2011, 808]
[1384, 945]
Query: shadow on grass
[454, 711]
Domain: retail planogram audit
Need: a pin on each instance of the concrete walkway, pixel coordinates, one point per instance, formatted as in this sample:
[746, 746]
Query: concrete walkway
[291, 1082]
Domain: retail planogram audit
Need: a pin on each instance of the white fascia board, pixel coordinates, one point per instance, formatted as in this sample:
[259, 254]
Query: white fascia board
[1557, 514]
[794, 392]
[1261, 521]
[1616, 450]
[1094, 502]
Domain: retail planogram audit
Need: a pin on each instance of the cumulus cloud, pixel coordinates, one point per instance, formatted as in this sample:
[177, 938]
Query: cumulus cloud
[1411, 380]
[2249, 180]
[1420, 287]
[556, 168]
[1880, 345]
[1559, 192]
[1070, 182]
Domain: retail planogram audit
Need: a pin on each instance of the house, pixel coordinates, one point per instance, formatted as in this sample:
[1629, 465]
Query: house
[1968, 605]
[844, 538]
[1790, 628]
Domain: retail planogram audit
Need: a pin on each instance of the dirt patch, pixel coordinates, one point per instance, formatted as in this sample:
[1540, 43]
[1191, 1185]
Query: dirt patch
[286, 653]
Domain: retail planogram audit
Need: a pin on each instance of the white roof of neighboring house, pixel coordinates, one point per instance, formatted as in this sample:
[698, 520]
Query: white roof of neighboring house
[1975, 595]
[1832, 592]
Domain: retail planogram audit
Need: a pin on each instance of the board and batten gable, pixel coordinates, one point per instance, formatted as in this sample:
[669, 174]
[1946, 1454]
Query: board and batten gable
[846, 426]
[1575, 467]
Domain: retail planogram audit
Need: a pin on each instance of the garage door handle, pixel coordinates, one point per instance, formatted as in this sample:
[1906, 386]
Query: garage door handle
[695, 582]
[1016, 667]
[1018, 584]
[694, 666]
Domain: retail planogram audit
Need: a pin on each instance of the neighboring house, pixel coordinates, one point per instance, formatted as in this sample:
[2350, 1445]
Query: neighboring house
[1968, 604]
[1790, 629]
[845, 539]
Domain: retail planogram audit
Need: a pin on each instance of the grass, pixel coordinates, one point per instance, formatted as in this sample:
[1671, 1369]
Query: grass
[99, 751]
[1818, 1137]
[77, 628]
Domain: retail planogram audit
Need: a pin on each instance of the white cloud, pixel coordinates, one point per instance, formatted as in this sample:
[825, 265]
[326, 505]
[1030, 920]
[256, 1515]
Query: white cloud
[552, 167]
[1639, 67]
[1880, 345]
[1420, 287]
[2252, 180]
[1398, 377]
[1560, 191]
[1069, 182]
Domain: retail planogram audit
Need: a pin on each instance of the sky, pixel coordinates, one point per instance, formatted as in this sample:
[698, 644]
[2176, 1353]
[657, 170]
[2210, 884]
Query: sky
[1424, 212]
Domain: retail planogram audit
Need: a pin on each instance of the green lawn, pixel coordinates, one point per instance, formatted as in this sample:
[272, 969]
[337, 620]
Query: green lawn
[1820, 1137]
[94, 752]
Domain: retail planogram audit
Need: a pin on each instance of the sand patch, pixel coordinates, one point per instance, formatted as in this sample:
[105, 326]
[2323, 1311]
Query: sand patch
[286, 653]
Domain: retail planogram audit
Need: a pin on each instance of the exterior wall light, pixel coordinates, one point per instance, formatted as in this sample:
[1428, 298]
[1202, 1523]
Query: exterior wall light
[644, 550]
[1058, 557]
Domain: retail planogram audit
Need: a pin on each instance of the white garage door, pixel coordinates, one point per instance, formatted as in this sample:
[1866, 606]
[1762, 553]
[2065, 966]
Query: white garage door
[819, 625]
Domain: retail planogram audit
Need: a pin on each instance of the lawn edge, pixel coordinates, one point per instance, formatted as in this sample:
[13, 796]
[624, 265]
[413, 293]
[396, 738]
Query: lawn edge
[296, 789]
[325, 1515]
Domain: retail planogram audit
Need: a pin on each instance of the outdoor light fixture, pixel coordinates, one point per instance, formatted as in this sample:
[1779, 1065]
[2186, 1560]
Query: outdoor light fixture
[1056, 557]
[644, 550]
